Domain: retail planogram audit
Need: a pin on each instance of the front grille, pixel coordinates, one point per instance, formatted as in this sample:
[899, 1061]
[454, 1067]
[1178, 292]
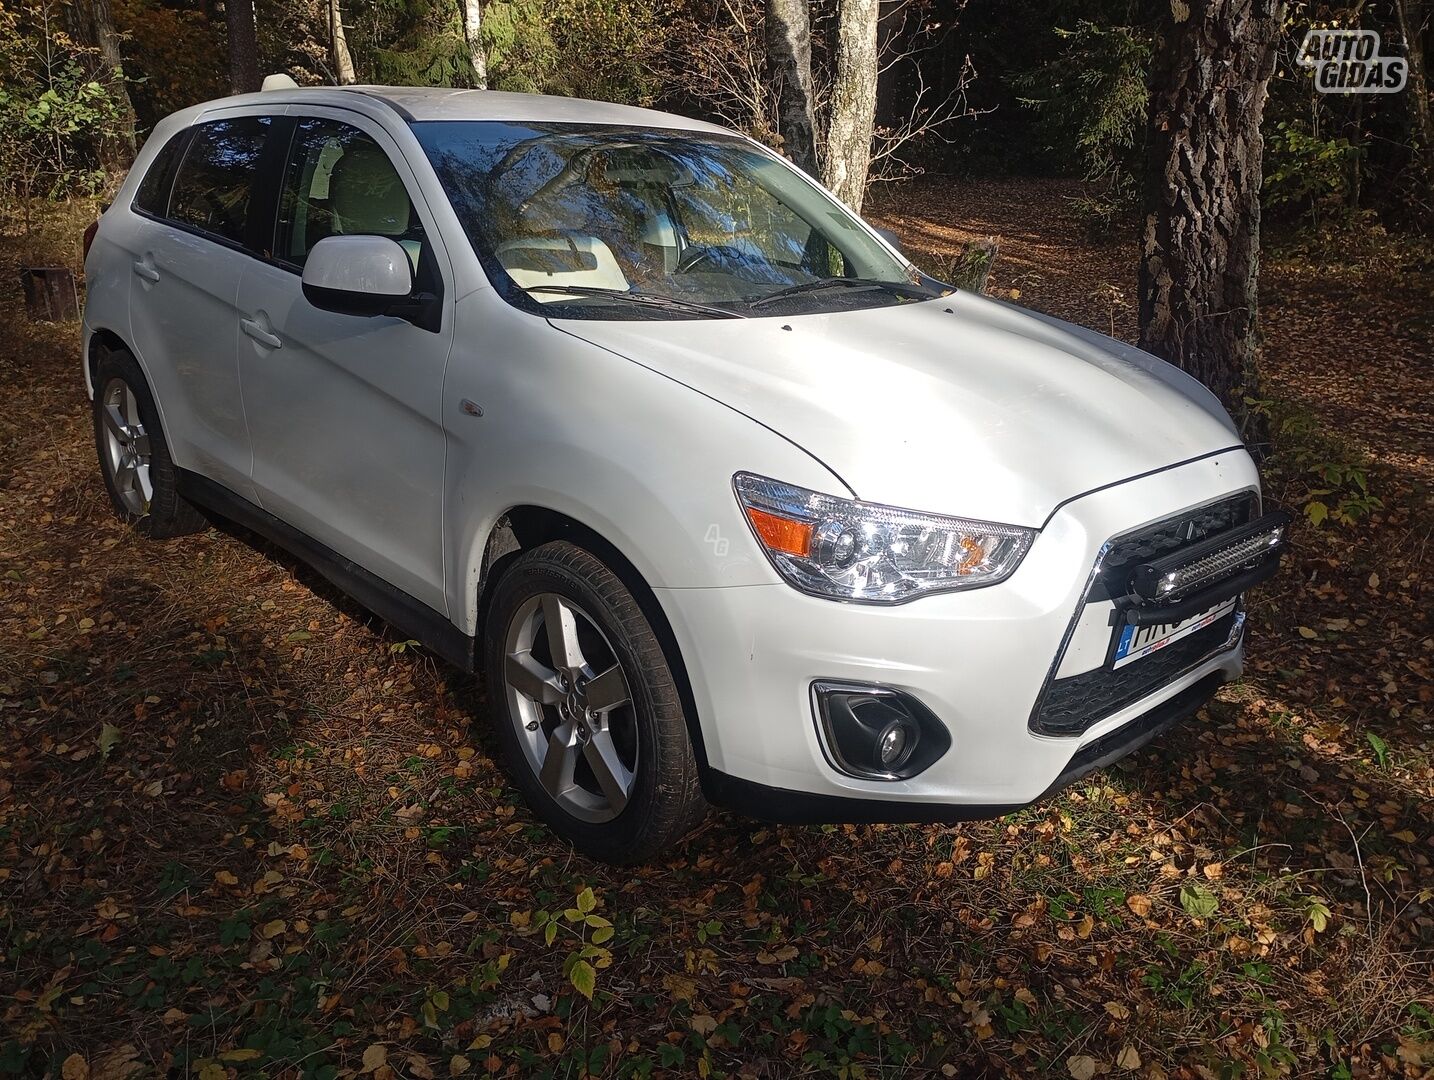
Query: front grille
[1072, 705]
[1124, 553]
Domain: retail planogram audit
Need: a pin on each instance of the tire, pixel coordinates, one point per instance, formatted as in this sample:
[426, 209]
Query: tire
[134, 459]
[543, 707]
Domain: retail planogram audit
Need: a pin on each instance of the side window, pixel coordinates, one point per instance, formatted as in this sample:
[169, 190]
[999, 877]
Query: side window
[214, 185]
[153, 194]
[339, 182]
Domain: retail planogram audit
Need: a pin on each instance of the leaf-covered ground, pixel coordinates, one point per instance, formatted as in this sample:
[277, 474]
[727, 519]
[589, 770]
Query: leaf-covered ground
[245, 829]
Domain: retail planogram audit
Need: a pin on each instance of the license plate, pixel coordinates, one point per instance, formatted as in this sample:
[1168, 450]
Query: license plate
[1138, 641]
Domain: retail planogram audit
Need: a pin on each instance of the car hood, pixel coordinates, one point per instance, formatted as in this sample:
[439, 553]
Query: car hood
[961, 405]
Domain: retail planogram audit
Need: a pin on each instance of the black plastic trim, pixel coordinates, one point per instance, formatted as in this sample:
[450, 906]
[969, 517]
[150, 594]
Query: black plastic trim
[1130, 737]
[783, 806]
[936, 739]
[388, 602]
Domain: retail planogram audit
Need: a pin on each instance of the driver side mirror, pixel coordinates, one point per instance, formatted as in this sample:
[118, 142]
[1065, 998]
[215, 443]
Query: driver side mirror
[365, 275]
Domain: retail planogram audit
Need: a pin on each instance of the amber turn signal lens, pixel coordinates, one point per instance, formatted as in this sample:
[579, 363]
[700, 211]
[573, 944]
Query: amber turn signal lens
[781, 534]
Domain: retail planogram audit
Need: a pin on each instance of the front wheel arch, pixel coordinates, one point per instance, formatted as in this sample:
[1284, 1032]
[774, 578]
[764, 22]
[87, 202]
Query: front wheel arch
[522, 528]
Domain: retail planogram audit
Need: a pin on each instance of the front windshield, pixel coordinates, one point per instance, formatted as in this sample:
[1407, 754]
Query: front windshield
[581, 221]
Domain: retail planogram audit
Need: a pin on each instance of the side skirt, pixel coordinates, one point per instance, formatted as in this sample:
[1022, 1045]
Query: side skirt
[391, 604]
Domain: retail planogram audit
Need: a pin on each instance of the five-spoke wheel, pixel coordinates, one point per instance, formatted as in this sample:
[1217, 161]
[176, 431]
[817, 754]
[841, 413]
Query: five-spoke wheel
[569, 698]
[126, 447]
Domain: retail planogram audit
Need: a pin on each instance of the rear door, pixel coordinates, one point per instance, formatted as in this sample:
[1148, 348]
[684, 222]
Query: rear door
[194, 236]
[344, 410]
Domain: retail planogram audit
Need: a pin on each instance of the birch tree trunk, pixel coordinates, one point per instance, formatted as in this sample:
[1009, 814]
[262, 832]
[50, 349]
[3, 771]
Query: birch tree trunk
[1200, 256]
[472, 34]
[343, 61]
[853, 109]
[243, 45]
[789, 65]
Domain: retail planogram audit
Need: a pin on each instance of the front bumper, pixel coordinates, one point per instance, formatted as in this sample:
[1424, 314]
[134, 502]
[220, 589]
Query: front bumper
[979, 660]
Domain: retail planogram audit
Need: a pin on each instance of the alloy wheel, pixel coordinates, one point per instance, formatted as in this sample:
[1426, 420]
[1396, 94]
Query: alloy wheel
[569, 700]
[127, 449]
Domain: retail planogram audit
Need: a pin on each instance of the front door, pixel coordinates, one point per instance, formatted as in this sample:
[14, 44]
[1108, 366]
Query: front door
[344, 411]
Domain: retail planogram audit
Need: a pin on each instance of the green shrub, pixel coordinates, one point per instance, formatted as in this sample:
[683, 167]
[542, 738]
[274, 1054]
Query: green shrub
[54, 108]
[1308, 173]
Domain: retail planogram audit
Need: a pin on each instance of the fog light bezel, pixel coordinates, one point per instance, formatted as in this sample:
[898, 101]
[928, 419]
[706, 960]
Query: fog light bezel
[932, 741]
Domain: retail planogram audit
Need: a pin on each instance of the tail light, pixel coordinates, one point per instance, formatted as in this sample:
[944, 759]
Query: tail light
[91, 230]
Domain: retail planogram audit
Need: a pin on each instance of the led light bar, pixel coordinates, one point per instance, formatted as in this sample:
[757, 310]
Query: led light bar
[1167, 580]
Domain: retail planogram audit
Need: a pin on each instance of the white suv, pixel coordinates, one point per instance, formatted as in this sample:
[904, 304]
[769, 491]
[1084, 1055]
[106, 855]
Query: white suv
[727, 501]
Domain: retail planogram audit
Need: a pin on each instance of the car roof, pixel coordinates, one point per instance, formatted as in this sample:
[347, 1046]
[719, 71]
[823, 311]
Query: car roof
[418, 103]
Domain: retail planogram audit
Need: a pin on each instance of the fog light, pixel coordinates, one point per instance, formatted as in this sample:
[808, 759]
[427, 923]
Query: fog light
[891, 747]
[876, 733]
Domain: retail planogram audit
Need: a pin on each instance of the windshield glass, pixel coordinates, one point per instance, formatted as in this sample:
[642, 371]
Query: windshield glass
[579, 221]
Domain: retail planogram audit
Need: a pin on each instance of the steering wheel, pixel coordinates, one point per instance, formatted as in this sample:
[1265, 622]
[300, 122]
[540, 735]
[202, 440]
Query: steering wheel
[721, 256]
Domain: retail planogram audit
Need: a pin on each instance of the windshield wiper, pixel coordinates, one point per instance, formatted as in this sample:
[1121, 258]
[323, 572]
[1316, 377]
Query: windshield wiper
[911, 292]
[649, 299]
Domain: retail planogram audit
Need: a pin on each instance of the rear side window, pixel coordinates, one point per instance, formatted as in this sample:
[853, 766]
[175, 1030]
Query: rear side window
[215, 184]
[153, 194]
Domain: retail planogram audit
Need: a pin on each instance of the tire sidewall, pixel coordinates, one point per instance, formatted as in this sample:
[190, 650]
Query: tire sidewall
[166, 508]
[527, 577]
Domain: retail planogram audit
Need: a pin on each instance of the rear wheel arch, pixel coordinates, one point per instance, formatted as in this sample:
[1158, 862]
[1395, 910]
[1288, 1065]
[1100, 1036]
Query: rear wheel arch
[522, 528]
[103, 342]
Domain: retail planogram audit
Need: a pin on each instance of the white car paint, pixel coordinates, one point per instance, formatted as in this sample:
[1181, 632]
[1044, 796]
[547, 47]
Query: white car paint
[361, 434]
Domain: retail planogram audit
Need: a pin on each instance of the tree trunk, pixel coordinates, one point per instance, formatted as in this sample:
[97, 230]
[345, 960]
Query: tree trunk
[1200, 257]
[789, 65]
[93, 24]
[1412, 24]
[472, 34]
[243, 46]
[848, 149]
[343, 61]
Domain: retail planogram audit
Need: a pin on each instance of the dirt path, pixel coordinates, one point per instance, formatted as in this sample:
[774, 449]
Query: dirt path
[244, 828]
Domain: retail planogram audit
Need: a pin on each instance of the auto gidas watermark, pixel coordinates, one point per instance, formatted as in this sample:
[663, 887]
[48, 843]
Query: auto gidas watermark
[1348, 61]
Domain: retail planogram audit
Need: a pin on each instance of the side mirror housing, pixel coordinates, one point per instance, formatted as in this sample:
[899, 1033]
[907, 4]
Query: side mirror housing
[359, 275]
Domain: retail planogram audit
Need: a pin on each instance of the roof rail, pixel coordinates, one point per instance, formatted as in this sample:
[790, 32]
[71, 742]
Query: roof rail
[278, 81]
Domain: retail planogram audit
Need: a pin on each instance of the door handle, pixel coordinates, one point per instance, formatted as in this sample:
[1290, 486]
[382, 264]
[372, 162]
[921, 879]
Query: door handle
[257, 331]
[145, 269]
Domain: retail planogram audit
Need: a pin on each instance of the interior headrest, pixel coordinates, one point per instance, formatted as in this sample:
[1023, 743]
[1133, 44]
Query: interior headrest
[366, 195]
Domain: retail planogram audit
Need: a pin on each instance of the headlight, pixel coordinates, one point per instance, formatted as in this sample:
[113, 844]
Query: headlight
[850, 550]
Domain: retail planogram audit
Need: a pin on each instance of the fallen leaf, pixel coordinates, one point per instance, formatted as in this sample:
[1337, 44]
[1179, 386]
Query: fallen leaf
[376, 1056]
[777, 956]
